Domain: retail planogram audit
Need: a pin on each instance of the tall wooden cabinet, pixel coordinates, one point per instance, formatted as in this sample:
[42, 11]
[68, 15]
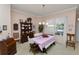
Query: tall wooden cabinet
[26, 29]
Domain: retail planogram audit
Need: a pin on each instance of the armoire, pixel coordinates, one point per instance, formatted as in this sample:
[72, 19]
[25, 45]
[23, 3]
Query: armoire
[26, 30]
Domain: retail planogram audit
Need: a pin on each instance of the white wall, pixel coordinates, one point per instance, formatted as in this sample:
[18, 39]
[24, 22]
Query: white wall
[5, 18]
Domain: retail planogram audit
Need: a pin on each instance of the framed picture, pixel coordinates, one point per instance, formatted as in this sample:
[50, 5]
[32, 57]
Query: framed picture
[16, 35]
[4, 27]
[15, 26]
[0, 29]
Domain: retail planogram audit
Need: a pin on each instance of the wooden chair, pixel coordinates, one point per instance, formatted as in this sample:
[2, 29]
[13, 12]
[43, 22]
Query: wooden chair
[70, 40]
[34, 48]
[31, 35]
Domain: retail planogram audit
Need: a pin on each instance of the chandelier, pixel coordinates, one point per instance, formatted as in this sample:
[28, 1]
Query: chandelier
[43, 5]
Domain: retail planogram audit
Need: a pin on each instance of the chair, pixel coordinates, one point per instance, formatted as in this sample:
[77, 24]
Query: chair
[70, 40]
[31, 35]
[34, 48]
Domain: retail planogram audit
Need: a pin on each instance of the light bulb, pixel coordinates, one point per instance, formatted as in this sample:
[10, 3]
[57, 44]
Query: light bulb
[46, 23]
[78, 19]
[39, 23]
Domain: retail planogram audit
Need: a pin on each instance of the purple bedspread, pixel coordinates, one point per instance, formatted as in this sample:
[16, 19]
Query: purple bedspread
[44, 42]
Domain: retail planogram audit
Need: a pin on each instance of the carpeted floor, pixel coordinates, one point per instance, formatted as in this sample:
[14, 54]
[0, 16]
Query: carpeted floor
[58, 49]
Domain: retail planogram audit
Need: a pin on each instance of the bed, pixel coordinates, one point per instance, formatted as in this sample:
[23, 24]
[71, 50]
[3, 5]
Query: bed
[44, 42]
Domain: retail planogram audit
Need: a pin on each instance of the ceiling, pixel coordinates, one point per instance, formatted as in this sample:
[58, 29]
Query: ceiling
[39, 10]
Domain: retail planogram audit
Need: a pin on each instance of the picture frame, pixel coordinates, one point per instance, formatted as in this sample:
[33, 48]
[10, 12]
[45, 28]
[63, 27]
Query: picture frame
[0, 29]
[15, 26]
[16, 35]
[4, 27]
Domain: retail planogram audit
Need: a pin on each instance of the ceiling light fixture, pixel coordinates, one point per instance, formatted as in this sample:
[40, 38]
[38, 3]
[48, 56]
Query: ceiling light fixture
[43, 5]
[78, 19]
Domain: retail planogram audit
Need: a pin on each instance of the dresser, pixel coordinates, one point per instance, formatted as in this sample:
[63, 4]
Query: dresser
[8, 47]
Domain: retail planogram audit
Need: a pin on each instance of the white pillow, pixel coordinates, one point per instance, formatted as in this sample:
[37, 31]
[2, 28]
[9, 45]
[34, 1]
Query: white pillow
[2, 37]
[38, 34]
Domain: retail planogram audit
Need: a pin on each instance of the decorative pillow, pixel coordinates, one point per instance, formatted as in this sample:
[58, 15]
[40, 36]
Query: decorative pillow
[38, 34]
[45, 35]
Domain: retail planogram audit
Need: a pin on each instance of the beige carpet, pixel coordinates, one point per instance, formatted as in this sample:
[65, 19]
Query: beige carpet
[58, 49]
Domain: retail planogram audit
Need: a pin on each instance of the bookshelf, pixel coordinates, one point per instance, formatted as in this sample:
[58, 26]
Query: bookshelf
[26, 29]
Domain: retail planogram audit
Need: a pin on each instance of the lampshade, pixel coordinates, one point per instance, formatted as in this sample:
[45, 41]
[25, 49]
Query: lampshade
[40, 23]
[46, 23]
[78, 19]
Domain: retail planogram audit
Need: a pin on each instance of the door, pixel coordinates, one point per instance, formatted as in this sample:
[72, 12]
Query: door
[77, 30]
